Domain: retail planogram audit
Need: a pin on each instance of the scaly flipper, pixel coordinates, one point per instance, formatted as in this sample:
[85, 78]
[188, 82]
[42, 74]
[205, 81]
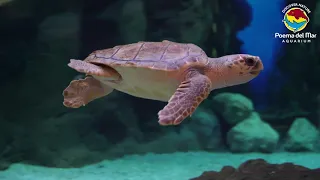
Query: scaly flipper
[81, 92]
[185, 100]
[92, 69]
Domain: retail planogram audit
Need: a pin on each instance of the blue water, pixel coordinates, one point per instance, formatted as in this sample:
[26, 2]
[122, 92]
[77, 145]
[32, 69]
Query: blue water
[258, 39]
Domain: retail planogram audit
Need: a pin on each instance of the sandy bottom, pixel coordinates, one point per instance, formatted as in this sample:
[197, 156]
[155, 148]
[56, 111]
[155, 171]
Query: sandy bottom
[177, 166]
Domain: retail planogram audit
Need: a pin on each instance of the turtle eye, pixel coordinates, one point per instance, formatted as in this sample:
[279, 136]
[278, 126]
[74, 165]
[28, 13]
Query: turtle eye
[249, 61]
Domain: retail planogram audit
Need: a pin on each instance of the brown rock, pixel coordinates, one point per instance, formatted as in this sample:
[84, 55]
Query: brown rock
[259, 169]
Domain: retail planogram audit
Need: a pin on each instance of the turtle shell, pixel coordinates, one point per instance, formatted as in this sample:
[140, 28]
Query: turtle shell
[165, 55]
[151, 70]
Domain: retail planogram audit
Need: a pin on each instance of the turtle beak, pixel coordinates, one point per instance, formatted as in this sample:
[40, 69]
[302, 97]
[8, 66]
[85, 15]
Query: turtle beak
[258, 67]
[255, 72]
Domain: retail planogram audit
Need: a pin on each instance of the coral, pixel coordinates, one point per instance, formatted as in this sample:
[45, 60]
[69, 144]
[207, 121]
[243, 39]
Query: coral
[233, 107]
[259, 169]
[302, 136]
[252, 134]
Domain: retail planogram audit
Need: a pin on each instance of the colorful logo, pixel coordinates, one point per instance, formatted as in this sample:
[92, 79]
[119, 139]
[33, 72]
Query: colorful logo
[295, 19]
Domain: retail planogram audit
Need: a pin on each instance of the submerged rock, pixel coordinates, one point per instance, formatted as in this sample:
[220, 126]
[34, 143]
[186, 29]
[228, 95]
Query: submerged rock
[234, 107]
[252, 134]
[259, 169]
[302, 136]
[205, 124]
[171, 142]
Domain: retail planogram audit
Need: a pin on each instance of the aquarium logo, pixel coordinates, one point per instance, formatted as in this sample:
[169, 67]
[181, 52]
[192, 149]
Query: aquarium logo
[295, 20]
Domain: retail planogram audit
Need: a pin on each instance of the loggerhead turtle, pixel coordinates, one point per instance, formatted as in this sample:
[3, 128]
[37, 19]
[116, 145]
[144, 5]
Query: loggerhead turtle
[177, 73]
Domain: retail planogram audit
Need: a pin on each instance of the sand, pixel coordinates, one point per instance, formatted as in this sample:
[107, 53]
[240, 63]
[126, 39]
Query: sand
[176, 166]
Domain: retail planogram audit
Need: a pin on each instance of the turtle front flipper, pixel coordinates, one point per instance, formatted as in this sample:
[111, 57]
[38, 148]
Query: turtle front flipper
[81, 92]
[185, 100]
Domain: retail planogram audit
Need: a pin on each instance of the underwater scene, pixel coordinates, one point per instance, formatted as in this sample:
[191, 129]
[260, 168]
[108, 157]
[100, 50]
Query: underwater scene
[160, 90]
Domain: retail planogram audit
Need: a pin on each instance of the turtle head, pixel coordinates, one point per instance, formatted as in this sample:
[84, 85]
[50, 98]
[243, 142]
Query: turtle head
[235, 69]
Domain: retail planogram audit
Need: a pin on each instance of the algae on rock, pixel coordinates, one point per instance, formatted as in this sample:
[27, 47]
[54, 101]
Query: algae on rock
[234, 107]
[302, 136]
[252, 135]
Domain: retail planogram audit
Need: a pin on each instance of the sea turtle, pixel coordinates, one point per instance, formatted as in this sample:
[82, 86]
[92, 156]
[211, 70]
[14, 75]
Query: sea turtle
[178, 73]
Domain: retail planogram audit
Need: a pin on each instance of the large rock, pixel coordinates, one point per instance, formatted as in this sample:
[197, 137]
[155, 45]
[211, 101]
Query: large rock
[171, 142]
[259, 169]
[233, 107]
[184, 140]
[302, 136]
[205, 124]
[251, 135]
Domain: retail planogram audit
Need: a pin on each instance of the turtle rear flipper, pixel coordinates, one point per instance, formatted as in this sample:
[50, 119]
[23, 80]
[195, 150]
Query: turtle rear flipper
[95, 70]
[81, 92]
